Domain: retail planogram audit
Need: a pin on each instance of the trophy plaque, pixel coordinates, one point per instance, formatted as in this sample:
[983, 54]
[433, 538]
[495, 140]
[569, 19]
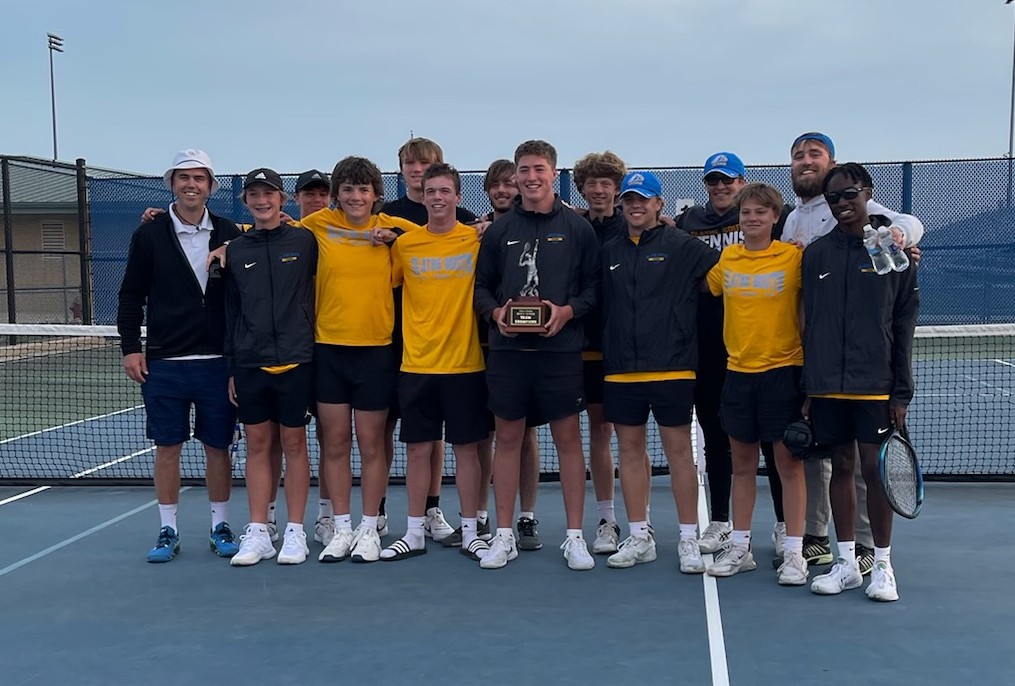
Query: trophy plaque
[527, 314]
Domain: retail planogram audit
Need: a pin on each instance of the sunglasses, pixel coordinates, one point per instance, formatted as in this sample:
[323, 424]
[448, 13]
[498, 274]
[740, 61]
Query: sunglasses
[847, 193]
[715, 179]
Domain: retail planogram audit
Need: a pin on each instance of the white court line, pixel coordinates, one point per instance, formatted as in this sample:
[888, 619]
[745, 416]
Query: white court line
[716, 640]
[19, 496]
[1005, 363]
[74, 539]
[86, 472]
[74, 423]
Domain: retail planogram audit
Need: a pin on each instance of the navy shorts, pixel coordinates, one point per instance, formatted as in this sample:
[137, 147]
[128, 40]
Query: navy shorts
[281, 398]
[759, 406]
[451, 406]
[360, 376]
[838, 421]
[173, 387]
[535, 385]
[629, 404]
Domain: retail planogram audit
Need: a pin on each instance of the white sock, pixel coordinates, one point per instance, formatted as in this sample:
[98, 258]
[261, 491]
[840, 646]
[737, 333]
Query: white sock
[847, 551]
[574, 533]
[271, 511]
[606, 511]
[324, 508]
[343, 522]
[883, 554]
[219, 513]
[414, 532]
[648, 514]
[688, 531]
[508, 533]
[468, 530]
[639, 530]
[167, 513]
[794, 544]
[259, 527]
[742, 539]
[294, 528]
[527, 515]
[482, 516]
[368, 522]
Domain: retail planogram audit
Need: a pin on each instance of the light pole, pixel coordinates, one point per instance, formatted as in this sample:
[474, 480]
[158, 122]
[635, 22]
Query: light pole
[55, 44]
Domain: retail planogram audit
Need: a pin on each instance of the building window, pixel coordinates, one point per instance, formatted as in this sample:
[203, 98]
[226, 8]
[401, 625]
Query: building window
[53, 239]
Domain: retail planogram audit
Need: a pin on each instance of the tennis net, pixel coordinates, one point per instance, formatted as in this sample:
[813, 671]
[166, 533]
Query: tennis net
[68, 413]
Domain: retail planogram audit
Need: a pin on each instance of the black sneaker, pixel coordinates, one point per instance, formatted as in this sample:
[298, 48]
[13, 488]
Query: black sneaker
[817, 550]
[454, 540]
[483, 531]
[864, 559]
[528, 537]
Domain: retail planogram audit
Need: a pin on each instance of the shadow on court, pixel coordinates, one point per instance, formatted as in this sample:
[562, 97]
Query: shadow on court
[94, 612]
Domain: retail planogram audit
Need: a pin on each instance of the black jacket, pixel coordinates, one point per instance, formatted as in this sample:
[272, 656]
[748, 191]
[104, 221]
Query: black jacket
[181, 319]
[567, 262]
[270, 297]
[718, 231]
[650, 300]
[606, 229]
[407, 208]
[858, 326]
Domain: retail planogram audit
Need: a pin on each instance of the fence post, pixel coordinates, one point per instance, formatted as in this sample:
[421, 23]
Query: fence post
[235, 184]
[399, 185]
[565, 185]
[907, 188]
[5, 173]
[84, 241]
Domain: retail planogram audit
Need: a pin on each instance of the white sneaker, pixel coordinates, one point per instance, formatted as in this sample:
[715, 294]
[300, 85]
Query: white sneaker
[254, 546]
[324, 530]
[690, 556]
[607, 538]
[841, 577]
[339, 547]
[435, 526]
[273, 532]
[779, 538]
[735, 559]
[714, 537]
[883, 586]
[382, 525]
[367, 545]
[633, 551]
[793, 570]
[576, 552]
[502, 550]
[294, 548]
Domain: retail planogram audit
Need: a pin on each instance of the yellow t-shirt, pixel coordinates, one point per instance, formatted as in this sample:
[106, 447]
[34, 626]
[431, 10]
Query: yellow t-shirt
[761, 299]
[438, 274]
[354, 301]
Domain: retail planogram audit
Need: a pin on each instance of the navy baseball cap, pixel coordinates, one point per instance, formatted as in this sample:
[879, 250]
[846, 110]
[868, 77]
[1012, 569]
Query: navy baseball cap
[725, 163]
[645, 184]
[312, 177]
[815, 136]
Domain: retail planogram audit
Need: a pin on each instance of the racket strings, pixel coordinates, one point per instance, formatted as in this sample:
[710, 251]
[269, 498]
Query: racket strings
[902, 483]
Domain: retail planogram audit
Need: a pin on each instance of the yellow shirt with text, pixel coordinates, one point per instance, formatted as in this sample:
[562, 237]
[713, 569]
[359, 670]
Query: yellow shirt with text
[437, 273]
[355, 305]
[761, 301]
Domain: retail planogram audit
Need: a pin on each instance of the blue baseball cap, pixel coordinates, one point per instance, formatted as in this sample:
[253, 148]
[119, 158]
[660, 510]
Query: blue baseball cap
[725, 163]
[815, 136]
[645, 184]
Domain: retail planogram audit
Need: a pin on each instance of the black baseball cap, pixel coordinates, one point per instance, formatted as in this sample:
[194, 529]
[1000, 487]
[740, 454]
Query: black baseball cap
[269, 177]
[312, 177]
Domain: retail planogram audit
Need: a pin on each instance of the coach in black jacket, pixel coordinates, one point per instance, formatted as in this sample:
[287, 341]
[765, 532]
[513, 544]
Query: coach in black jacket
[183, 364]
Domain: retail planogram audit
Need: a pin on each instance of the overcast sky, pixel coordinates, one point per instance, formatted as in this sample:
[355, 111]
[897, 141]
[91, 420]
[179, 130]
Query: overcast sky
[300, 84]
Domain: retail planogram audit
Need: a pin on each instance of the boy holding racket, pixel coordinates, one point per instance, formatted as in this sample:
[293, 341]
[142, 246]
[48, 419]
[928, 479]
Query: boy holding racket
[858, 342]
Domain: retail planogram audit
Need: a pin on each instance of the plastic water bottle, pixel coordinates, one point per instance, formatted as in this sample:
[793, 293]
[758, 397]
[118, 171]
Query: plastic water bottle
[900, 260]
[881, 260]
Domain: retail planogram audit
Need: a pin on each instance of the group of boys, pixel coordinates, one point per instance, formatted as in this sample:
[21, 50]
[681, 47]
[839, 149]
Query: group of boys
[300, 315]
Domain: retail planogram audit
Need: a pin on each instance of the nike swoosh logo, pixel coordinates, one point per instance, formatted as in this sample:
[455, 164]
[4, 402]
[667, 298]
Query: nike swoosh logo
[513, 242]
[882, 431]
[248, 266]
[614, 266]
[821, 276]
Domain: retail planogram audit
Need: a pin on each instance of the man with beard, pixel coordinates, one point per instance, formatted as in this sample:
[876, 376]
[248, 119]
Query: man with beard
[812, 157]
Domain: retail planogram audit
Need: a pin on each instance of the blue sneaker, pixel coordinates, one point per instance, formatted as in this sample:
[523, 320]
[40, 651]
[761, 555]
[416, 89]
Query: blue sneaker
[166, 547]
[222, 542]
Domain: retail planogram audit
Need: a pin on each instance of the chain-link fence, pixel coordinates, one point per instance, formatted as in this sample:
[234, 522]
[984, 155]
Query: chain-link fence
[65, 225]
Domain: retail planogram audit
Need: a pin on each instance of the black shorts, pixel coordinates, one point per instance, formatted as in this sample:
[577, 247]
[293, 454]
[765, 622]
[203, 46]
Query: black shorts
[593, 373]
[452, 402]
[629, 404]
[360, 376]
[838, 421]
[535, 385]
[759, 406]
[283, 398]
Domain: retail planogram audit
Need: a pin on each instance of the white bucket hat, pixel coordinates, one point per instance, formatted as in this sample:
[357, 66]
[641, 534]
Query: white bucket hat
[191, 159]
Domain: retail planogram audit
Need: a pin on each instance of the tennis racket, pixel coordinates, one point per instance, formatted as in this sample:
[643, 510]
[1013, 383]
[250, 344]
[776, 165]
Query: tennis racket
[900, 474]
[234, 449]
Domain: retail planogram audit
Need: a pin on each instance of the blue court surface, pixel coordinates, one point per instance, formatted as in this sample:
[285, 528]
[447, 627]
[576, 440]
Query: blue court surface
[79, 605]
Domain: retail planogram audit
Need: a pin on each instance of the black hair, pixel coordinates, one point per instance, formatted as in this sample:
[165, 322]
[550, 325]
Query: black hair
[852, 171]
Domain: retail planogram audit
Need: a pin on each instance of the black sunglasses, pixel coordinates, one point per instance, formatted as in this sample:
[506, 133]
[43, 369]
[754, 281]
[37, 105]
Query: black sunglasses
[715, 179]
[848, 193]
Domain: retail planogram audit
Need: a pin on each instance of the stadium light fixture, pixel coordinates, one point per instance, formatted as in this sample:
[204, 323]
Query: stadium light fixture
[55, 45]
